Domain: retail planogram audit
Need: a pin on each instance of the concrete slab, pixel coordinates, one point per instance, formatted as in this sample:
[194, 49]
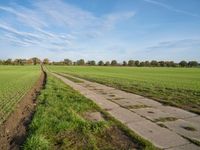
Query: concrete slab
[194, 120]
[186, 147]
[185, 128]
[100, 86]
[152, 113]
[150, 102]
[125, 115]
[101, 101]
[126, 102]
[177, 112]
[104, 93]
[126, 95]
[160, 137]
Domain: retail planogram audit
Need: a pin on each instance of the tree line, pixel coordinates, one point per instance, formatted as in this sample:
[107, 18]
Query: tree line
[82, 62]
[31, 61]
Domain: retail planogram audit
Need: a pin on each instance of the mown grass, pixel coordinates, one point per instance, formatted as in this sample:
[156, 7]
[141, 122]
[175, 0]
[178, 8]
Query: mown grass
[59, 123]
[15, 81]
[174, 86]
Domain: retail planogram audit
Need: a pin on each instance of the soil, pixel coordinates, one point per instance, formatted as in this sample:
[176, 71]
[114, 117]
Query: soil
[114, 138]
[94, 116]
[13, 131]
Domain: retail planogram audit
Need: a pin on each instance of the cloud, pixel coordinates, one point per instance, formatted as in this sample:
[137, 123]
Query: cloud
[176, 44]
[55, 25]
[111, 19]
[26, 16]
[171, 8]
[10, 29]
[63, 14]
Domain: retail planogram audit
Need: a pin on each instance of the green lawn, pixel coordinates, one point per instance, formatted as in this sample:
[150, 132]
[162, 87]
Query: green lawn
[15, 81]
[174, 86]
[60, 123]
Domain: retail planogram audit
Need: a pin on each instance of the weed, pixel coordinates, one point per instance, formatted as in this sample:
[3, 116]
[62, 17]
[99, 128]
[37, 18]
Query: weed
[189, 128]
[136, 106]
[165, 119]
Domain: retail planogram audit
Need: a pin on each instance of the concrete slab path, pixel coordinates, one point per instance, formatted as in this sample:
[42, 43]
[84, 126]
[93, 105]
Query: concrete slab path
[165, 126]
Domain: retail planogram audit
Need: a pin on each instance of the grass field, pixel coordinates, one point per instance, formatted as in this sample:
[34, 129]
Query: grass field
[15, 81]
[60, 122]
[174, 86]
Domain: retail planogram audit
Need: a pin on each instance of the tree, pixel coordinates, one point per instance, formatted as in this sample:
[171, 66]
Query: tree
[113, 63]
[137, 63]
[19, 61]
[23, 61]
[131, 63]
[36, 60]
[170, 64]
[162, 63]
[46, 61]
[16, 62]
[183, 63]
[107, 63]
[142, 64]
[147, 63]
[154, 63]
[124, 63]
[29, 61]
[67, 62]
[192, 63]
[91, 63]
[80, 62]
[8, 61]
[74, 63]
[100, 63]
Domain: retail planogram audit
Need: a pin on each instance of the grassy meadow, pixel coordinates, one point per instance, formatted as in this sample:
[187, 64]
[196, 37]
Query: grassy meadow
[60, 122]
[173, 86]
[15, 81]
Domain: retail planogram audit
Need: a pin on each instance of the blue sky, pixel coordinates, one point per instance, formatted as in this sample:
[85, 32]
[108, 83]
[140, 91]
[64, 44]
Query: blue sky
[100, 29]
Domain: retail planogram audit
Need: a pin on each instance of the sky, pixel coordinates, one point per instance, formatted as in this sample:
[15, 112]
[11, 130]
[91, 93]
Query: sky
[100, 29]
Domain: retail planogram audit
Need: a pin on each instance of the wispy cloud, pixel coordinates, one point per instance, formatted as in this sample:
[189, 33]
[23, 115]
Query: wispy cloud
[10, 29]
[175, 44]
[35, 26]
[26, 16]
[171, 8]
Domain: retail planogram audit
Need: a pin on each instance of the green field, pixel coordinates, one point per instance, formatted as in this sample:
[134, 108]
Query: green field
[60, 122]
[174, 86]
[15, 81]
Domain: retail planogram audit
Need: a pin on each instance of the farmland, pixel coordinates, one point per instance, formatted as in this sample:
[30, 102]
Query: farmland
[15, 81]
[173, 86]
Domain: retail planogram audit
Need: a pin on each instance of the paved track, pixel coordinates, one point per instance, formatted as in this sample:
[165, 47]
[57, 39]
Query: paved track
[165, 126]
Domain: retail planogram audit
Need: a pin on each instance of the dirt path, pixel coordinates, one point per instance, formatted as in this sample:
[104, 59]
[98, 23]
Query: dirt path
[13, 131]
[165, 126]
